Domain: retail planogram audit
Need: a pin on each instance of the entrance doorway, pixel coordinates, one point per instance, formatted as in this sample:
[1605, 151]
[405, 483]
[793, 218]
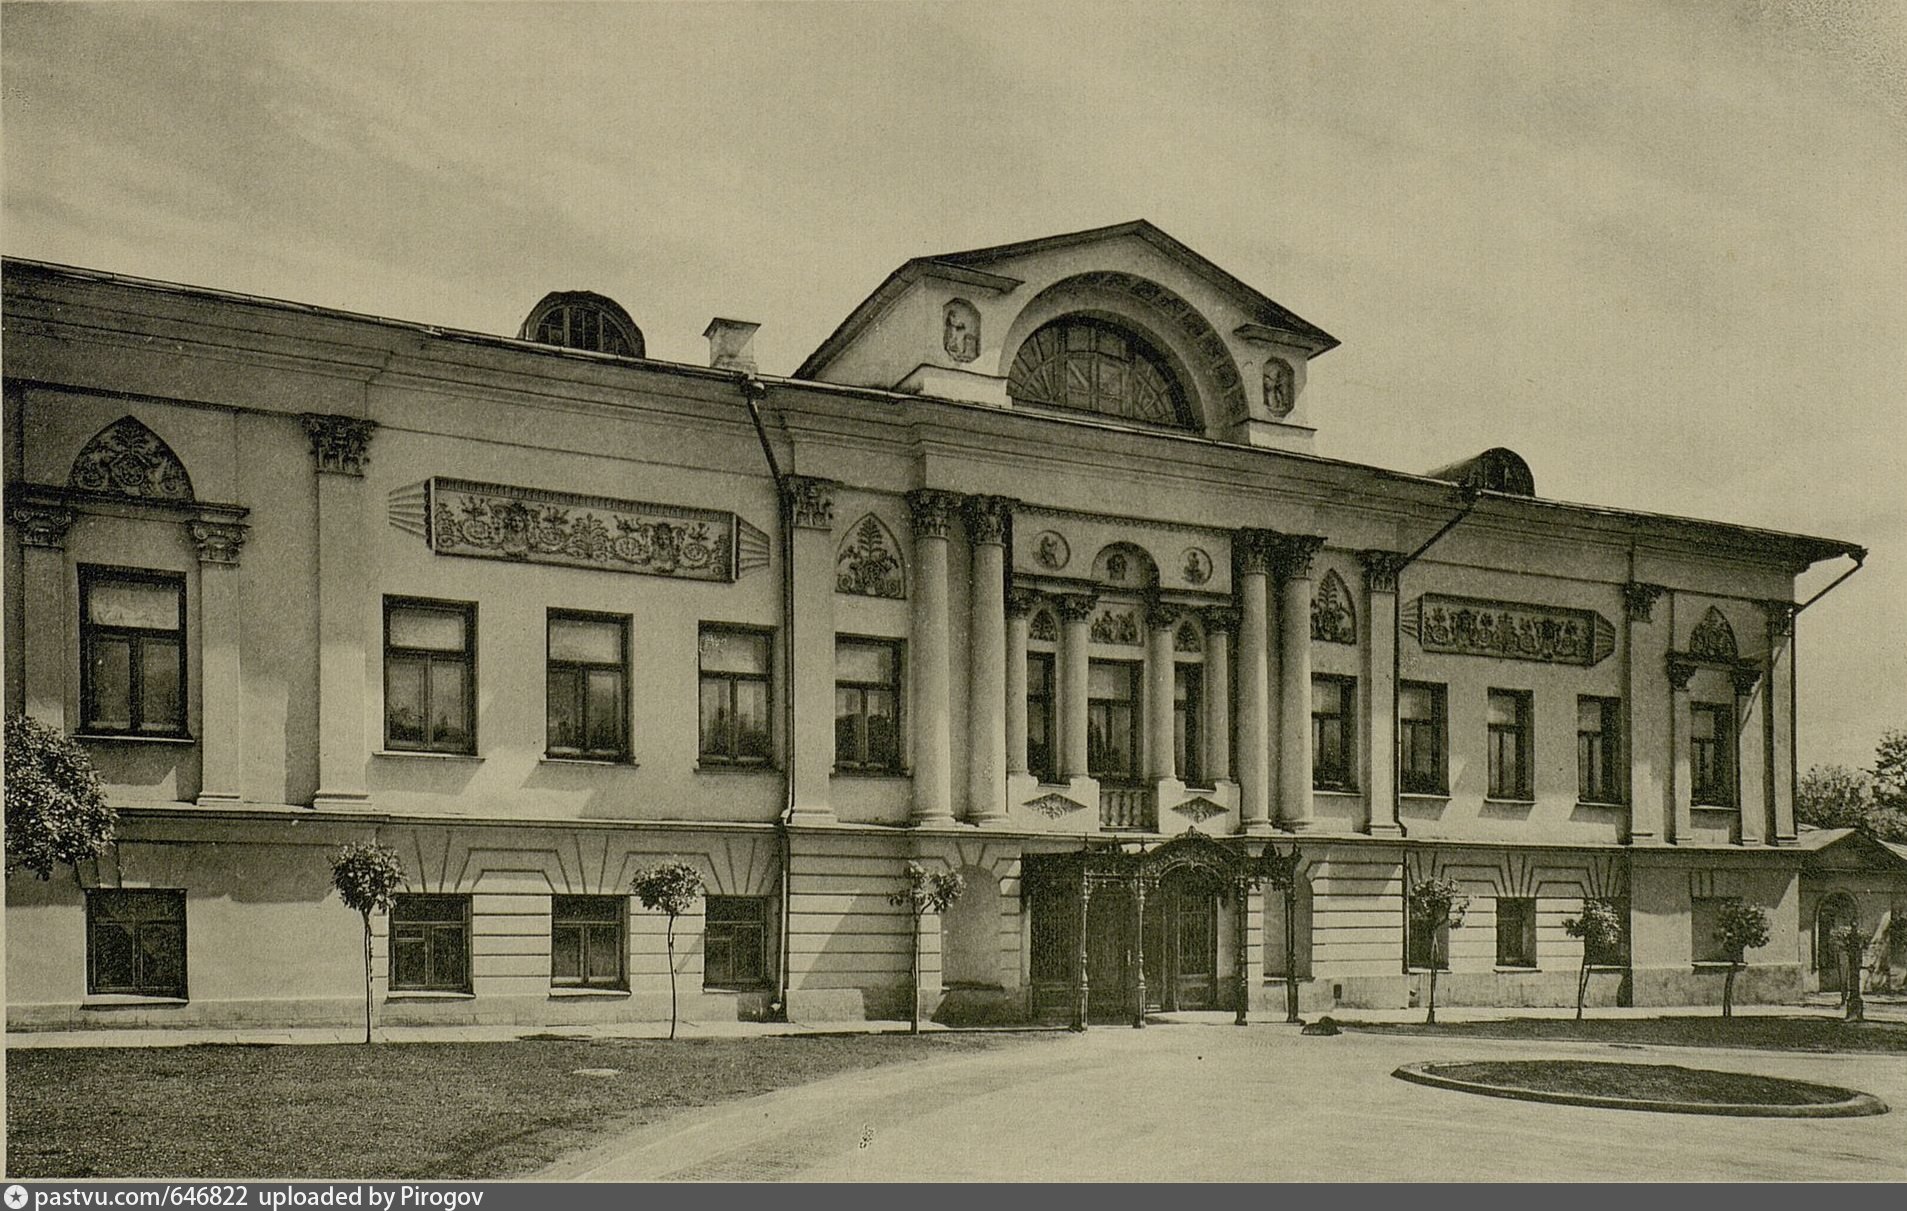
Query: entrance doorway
[1830, 962]
[1185, 939]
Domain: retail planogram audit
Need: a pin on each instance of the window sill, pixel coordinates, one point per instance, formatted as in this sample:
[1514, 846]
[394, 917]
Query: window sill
[1511, 968]
[583, 994]
[1714, 965]
[425, 994]
[1424, 971]
[128, 1000]
[408, 754]
[132, 738]
[1614, 803]
[1337, 790]
[724, 767]
[1502, 801]
[1425, 796]
[874, 773]
[1725, 808]
[596, 761]
[738, 988]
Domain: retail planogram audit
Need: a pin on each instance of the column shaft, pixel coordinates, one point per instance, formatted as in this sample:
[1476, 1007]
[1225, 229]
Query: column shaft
[1751, 758]
[1019, 606]
[1294, 682]
[1254, 688]
[1159, 698]
[986, 697]
[1682, 785]
[1380, 680]
[1219, 624]
[1074, 635]
[932, 728]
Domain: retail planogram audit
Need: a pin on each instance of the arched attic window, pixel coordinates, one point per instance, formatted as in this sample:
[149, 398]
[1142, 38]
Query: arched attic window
[1090, 365]
[582, 319]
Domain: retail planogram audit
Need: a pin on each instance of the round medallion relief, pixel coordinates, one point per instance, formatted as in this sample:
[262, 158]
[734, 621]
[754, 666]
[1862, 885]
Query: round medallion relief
[1050, 550]
[1197, 566]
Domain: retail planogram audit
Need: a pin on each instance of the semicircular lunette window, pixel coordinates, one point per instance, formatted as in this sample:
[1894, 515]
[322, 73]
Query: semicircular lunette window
[580, 326]
[1088, 366]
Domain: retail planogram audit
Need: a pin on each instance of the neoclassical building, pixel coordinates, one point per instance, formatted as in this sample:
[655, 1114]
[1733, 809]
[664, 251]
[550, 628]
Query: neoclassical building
[1029, 571]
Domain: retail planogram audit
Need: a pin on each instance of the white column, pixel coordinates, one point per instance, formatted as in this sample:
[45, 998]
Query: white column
[1161, 618]
[810, 750]
[339, 446]
[1380, 681]
[1295, 552]
[1649, 739]
[1220, 622]
[221, 698]
[42, 530]
[1682, 784]
[1751, 758]
[1252, 552]
[987, 665]
[932, 513]
[1075, 611]
[1780, 721]
[1019, 607]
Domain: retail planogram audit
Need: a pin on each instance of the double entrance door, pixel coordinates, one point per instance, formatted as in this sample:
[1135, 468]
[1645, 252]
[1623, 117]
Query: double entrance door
[1179, 941]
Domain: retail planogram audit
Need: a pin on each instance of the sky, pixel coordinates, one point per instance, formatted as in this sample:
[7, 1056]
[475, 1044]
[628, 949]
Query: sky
[1658, 249]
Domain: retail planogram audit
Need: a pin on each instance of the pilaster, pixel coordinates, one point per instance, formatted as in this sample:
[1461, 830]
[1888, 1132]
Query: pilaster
[340, 447]
[811, 638]
[1019, 607]
[1682, 795]
[44, 639]
[1649, 742]
[1381, 569]
[221, 626]
[1778, 730]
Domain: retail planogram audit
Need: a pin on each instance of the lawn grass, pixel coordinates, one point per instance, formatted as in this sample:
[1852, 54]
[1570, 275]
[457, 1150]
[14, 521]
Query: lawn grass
[1796, 1033]
[1644, 1082]
[393, 1110]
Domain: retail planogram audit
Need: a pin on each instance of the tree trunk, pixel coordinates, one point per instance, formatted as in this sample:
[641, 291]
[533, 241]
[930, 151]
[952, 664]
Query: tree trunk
[1430, 1017]
[1728, 992]
[1582, 989]
[913, 982]
[367, 977]
[1856, 1007]
[671, 940]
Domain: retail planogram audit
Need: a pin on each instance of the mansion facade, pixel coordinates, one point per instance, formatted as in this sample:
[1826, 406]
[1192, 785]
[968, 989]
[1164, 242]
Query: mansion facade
[1028, 572]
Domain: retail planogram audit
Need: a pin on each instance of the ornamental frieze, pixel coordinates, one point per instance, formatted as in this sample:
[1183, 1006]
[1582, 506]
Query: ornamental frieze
[531, 525]
[1053, 805]
[1469, 626]
[1199, 809]
[1116, 626]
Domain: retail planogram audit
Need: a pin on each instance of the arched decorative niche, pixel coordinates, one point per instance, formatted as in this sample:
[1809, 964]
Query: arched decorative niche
[1713, 638]
[1043, 626]
[1188, 641]
[1333, 616]
[1123, 565]
[869, 562]
[128, 459]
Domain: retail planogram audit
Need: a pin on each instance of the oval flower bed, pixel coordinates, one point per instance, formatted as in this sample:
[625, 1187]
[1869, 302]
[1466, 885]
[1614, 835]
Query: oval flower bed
[1661, 1087]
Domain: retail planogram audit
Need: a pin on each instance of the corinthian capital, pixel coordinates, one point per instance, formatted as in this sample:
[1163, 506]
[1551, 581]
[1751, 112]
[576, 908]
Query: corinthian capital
[340, 445]
[811, 502]
[1381, 569]
[932, 511]
[987, 517]
[1291, 554]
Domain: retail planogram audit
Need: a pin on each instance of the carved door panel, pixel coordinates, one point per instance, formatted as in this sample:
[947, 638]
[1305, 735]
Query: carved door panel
[1190, 928]
[1109, 957]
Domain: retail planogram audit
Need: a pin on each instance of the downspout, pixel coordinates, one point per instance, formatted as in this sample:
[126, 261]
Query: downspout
[1859, 556]
[753, 392]
[1471, 495]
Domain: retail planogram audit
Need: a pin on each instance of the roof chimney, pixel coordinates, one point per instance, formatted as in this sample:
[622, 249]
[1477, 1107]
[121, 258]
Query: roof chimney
[728, 344]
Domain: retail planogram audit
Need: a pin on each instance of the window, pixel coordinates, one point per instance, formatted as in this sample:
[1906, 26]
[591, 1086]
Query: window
[1089, 366]
[1704, 913]
[1422, 739]
[132, 652]
[867, 697]
[1597, 728]
[581, 319]
[737, 684]
[1426, 948]
[1042, 750]
[430, 944]
[1712, 753]
[1333, 722]
[1615, 952]
[1112, 720]
[1188, 723]
[1509, 744]
[430, 665]
[586, 941]
[735, 942]
[588, 679]
[135, 943]
[1515, 932]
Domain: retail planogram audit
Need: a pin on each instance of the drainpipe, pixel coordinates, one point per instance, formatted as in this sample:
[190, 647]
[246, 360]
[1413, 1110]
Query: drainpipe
[1471, 495]
[753, 392]
[1859, 556]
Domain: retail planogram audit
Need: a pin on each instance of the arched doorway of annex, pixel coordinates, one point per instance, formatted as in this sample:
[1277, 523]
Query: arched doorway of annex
[979, 953]
[1186, 345]
[1830, 962]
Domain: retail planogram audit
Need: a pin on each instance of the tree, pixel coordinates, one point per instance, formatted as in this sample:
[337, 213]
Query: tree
[672, 888]
[56, 810]
[1850, 940]
[1739, 928]
[1434, 905]
[367, 876]
[924, 893]
[1600, 927]
[1874, 801]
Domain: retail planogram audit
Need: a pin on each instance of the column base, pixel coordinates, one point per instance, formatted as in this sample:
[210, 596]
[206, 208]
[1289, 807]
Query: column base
[946, 821]
[1256, 828]
[219, 799]
[341, 801]
[1785, 842]
[811, 815]
[991, 820]
[1386, 828]
[1309, 824]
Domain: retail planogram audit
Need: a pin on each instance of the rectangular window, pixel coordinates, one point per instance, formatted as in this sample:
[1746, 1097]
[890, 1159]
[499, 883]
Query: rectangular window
[587, 681]
[1112, 720]
[867, 705]
[1042, 744]
[735, 942]
[587, 941]
[736, 689]
[1509, 744]
[135, 943]
[1422, 739]
[1712, 753]
[1188, 723]
[132, 652]
[1333, 732]
[1515, 932]
[430, 944]
[1614, 952]
[1598, 724]
[1704, 913]
[430, 675]
[1426, 948]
